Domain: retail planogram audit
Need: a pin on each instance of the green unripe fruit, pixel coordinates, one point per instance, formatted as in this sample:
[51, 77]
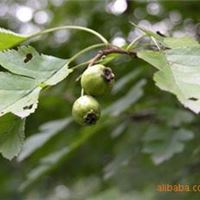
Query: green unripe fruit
[86, 110]
[97, 80]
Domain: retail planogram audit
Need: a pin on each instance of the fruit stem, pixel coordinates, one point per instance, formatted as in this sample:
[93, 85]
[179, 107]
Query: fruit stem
[99, 55]
[110, 50]
[155, 42]
[82, 92]
[134, 41]
[104, 40]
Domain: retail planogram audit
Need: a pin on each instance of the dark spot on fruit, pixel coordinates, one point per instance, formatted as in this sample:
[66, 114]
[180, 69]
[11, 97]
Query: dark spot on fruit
[28, 107]
[108, 75]
[90, 118]
[29, 56]
[193, 99]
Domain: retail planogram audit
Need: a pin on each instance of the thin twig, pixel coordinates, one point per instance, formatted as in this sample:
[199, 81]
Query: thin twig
[134, 41]
[155, 42]
[110, 50]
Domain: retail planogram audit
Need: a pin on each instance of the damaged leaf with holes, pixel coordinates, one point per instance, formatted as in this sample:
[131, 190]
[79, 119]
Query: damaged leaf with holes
[27, 74]
[178, 70]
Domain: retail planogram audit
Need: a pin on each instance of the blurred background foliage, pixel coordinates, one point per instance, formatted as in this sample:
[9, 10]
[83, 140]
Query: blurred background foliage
[145, 137]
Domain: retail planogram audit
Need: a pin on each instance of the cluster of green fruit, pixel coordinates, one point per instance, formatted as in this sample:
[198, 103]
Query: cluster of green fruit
[96, 80]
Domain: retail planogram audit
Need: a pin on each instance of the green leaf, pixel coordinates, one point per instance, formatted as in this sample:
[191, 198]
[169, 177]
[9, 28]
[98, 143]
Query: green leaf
[119, 130]
[52, 160]
[30, 73]
[179, 72]
[162, 142]
[175, 117]
[121, 83]
[47, 131]
[9, 39]
[134, 94]
[155, 58]
[181, 42]
[11, 135]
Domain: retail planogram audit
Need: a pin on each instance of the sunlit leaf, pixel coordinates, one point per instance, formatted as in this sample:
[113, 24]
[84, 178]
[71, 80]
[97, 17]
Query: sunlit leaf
[30, 73]
[181, 42]
[9, 39]
[179, 72]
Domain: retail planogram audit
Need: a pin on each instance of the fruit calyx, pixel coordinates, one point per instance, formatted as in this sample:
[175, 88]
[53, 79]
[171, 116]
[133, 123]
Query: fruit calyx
[108, 75]
[90, 118]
